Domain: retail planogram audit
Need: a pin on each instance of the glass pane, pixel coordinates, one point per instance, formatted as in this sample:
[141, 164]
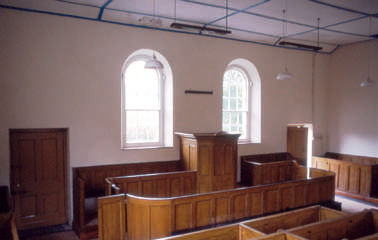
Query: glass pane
[225, 104]
[233, 104]
[142, 126]
[141, 87]
[234, 118]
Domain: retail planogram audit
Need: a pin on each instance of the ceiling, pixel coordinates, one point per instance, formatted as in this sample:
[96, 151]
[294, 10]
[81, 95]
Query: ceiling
[255, 21]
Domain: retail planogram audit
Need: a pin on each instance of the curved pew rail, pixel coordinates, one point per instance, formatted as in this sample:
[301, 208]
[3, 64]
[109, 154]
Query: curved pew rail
[150, 218]
[168, 184]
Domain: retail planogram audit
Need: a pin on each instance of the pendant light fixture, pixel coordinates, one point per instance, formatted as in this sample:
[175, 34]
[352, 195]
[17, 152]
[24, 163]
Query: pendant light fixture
[153, 63]
[367, 82]
[285, 75]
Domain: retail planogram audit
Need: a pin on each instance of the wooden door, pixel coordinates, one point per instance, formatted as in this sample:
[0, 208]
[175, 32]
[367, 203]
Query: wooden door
[297, 143]
[38, 176]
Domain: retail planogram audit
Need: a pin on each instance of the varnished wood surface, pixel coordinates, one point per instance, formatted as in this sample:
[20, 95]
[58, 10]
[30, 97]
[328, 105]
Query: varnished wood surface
[352, 177]
[291, 219]
[111, 218]
[213, 156]
[199, 210]
[322, 224]
[89, 182]
[256, 173]
[352, 226]
[38, 176]
[154, 185]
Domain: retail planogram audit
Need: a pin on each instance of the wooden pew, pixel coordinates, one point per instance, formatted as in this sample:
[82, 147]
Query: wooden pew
[154, 185]
[360, 225]
[294, 218]
[356, 176]
[314, 223]
[266, 168]
[229, 232]
[269, 227]
[149, 218]
[89, 183]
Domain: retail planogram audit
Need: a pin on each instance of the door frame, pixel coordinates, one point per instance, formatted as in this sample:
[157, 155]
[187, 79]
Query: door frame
[310, 139]
[65, 132]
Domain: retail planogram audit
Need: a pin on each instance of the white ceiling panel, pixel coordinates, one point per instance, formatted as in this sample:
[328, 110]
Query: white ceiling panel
[367, 6]
[359, 26]
[341, 21]
[53, 6]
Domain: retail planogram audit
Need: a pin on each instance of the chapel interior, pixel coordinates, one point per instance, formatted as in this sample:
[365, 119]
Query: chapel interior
[188, 119]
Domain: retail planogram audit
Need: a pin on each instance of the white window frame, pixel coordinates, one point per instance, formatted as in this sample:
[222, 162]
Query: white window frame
[160, 143]
[239, 68]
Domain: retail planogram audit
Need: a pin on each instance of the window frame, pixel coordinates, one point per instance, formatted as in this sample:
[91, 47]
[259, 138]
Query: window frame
[161, 78]
[244, 72]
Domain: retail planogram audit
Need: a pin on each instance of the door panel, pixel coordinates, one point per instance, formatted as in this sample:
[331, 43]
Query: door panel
[297, 143]
[38, 177]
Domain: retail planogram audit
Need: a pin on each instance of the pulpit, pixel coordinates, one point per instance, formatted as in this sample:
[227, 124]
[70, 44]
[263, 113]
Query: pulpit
[213, 156]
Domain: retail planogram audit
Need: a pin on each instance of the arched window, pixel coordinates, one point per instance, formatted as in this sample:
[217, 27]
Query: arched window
[242, 101]
[146, 102]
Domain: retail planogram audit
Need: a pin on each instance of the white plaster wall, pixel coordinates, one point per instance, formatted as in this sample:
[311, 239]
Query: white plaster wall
[63, 72]
[353, 110]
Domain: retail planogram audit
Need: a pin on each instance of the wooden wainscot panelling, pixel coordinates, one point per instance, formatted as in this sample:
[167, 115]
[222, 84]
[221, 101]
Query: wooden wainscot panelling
[355, 175]
[206, 209]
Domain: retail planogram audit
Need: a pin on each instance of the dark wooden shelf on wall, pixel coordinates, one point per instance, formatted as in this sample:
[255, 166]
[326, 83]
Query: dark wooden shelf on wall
[198, 92]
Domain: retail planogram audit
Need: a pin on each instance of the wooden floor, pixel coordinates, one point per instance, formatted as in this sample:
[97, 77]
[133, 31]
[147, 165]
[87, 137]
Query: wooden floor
[348, 205]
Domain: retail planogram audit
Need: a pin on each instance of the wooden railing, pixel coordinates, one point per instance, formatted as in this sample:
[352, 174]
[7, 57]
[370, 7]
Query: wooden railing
[154, 185]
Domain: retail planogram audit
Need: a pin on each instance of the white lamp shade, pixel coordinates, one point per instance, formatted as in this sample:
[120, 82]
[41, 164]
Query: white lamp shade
[153, 64]
[366, 83]
[285, 75]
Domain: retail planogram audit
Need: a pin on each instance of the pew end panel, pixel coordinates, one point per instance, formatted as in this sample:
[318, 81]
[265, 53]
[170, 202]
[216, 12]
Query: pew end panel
[111, 217]
[148, 218]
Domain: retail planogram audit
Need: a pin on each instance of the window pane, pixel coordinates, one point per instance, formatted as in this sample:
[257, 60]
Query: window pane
[142, 126]
[235, 102]
[141, 87]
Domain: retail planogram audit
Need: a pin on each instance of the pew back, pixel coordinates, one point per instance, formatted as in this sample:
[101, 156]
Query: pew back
[291, 219]
[352, 226]
[357, 177]
[154, 185]
[266, 168]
